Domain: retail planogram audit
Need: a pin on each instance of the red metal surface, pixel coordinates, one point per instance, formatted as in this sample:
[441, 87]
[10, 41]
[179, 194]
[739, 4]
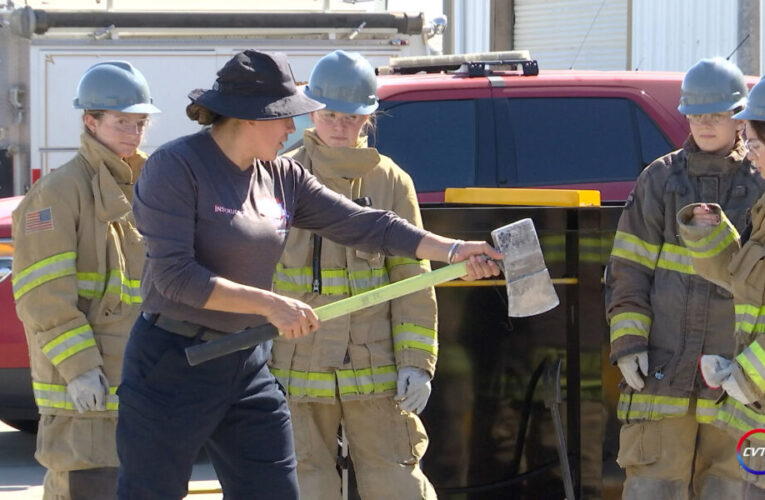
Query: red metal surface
[13, 345]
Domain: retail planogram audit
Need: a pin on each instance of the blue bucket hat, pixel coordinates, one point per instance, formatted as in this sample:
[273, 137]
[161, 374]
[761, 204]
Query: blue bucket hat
[255, 85]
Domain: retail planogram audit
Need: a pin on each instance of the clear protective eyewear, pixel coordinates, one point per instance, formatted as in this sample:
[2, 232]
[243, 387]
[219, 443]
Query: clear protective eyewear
[753, 145]
[127, 125]
[711, 118]
[338, 118]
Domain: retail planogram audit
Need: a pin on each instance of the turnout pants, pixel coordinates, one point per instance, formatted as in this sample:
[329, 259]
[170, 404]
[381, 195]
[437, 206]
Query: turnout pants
[85, 484]
[384, 442]
[231, 406]
[672, 457]
[80, 455]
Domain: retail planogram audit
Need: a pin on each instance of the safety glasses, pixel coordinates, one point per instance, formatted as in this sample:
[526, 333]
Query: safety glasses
[338, 118]
[754, 145]
[710, 118]
[126, 125]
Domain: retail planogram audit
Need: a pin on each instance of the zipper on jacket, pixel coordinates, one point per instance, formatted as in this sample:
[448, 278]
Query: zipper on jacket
[364, 201]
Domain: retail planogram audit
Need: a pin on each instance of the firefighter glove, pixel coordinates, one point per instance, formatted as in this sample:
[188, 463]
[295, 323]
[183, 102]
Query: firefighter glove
[718, 372]
[88, 391]
[629, 366]
[413, 389]
[714, 369]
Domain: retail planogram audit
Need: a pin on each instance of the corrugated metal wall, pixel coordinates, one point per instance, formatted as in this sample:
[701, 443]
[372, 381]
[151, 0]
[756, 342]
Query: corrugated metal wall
[470, 24]
[673, 35]
[556, 32]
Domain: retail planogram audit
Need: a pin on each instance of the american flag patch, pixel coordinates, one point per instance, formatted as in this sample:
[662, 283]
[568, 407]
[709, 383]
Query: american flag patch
[40, 220]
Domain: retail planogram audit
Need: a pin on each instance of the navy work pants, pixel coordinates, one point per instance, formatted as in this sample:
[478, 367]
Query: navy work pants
[169, 410]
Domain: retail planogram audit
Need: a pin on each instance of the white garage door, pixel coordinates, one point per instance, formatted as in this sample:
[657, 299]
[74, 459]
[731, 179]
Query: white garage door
[583, 34]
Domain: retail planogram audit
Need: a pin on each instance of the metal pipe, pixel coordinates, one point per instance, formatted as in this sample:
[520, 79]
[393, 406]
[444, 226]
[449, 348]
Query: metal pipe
[42, 20]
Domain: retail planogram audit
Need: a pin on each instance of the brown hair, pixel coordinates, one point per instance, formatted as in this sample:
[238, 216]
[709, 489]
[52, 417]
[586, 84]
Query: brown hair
[759, 129]
[95, 113]
[202, 115]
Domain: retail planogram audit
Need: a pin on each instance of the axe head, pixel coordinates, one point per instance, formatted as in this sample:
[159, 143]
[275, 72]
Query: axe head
[529, 288]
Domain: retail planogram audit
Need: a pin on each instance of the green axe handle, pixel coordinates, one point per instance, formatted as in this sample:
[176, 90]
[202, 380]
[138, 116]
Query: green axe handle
[249, 337]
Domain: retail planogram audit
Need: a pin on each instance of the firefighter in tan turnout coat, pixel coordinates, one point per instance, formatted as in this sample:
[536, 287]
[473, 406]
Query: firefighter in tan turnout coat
[77, 263]
[663, 316]
[372, 369]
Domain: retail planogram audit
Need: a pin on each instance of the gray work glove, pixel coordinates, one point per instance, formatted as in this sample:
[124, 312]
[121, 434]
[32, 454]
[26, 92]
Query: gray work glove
[413, 389]
[88, 390]
[629, 366]
[717, 372]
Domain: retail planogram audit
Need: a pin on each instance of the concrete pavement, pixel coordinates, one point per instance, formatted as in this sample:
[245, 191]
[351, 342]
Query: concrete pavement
[21, 477]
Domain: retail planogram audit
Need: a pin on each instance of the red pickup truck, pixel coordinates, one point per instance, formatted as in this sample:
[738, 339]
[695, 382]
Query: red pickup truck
[17, 406]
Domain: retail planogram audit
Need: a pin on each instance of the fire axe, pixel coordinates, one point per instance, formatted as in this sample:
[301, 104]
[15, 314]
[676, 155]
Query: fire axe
[529, 291]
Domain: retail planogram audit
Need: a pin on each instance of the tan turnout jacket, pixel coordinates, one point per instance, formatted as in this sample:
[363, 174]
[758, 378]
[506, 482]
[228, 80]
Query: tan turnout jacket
[358, 355]
[720, 256]
[76, 270]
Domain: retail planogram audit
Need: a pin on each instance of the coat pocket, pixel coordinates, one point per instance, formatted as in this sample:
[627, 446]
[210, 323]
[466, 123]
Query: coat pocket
[747, 276]
[638, 445]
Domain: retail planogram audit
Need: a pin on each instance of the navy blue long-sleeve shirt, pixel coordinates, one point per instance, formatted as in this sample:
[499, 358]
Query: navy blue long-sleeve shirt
[202, 217]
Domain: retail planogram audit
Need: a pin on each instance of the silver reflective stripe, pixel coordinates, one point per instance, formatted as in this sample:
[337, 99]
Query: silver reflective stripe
[313, 384]
[706, 410]
[675, 258]
[366, 280]
[410, 336]
[739, 416]
[56, 396]
[653, 409]
[43, 271]
[367, 380]
[714, 244]
[752, 360]
[69, 343]
[630, 247]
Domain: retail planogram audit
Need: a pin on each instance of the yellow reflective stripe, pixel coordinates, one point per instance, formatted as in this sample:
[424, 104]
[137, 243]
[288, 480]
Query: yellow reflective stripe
[299, 280]
[675, 258]
[367, 380]
[311, 384]
[96, 285]
[349, 382]
[706, 410]
[750, 318]
[590, 249]
[715, 242]
[630, 247]
[42, 271]
[411, 336]
[630, 323]
[552, 239]
[69, 343]
[553, 247]
[632, 407]
[752, 360]
[56, 396]
[391, 262]
[739, 416]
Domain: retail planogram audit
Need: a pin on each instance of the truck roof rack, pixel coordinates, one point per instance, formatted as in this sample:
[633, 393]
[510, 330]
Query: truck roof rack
[474, 64]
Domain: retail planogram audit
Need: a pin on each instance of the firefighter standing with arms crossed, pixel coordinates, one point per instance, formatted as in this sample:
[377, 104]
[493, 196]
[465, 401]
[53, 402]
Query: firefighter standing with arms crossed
[372, 368]
[76, 269]
[664, 317]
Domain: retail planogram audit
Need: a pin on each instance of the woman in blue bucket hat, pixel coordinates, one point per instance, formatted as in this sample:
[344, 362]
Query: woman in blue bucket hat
[215, 209]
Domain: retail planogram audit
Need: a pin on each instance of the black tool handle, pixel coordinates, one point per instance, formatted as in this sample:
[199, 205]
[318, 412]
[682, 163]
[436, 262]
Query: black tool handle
[249, 337]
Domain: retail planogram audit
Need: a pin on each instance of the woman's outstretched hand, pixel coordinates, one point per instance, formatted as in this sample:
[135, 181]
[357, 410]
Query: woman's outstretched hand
[480, 258]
